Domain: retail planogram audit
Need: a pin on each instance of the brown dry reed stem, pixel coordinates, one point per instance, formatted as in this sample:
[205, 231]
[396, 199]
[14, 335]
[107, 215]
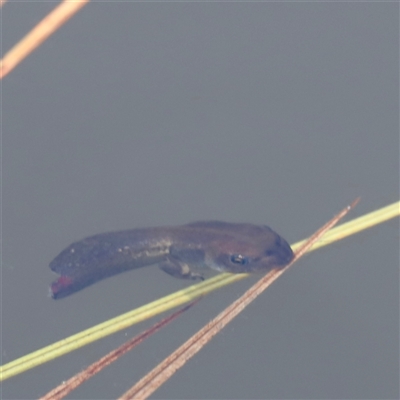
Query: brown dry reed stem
[65, 388]
[49, 24]
[155, 378]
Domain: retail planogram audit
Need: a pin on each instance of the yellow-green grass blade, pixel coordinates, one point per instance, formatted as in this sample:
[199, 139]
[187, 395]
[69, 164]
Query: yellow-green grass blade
[356, 225]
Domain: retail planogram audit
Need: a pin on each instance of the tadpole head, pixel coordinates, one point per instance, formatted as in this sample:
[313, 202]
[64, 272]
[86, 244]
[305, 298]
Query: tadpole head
[255, 256]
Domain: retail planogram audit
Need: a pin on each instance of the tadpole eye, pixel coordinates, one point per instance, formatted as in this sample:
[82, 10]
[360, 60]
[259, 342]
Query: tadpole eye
[239, 259]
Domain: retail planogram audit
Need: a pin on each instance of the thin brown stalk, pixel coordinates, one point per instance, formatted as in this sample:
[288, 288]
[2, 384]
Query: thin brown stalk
[155, 378]
[65, 388]
[49, 24]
